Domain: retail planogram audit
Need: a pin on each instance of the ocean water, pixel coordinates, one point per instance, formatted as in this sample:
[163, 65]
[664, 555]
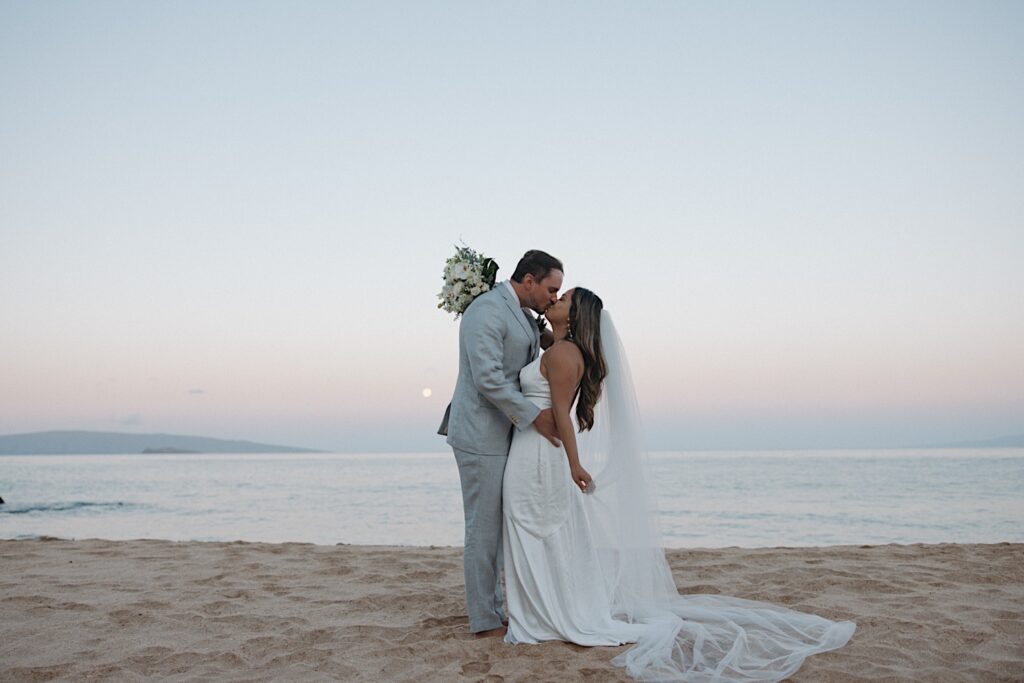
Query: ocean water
[706, 499]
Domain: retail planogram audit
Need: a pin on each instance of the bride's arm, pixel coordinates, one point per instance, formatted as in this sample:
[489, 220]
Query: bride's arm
[563, 367]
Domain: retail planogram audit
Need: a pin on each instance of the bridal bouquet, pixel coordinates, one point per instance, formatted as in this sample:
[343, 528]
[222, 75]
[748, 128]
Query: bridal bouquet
[467, 275]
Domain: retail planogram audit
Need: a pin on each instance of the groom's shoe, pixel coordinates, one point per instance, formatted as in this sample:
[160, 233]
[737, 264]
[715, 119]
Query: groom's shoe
[491, 633]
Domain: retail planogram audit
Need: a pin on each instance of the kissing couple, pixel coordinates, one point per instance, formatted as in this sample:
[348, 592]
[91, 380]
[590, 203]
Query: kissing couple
[556, 491]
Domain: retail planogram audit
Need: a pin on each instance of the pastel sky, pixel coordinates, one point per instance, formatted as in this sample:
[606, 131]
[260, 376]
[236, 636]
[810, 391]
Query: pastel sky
[230, 218]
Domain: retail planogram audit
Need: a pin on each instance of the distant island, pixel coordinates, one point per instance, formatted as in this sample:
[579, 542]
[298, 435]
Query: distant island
[118, 443]
[1012, 441]
[147, 451]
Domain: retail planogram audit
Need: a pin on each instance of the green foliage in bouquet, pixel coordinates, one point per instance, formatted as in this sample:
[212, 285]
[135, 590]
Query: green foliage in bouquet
[467, 275]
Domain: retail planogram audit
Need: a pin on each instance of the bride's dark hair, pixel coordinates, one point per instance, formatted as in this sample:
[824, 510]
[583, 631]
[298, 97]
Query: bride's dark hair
[585, 332]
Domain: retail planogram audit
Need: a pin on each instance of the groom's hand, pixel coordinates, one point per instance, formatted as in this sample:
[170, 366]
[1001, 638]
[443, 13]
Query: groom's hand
[546, 339]
[545, 424]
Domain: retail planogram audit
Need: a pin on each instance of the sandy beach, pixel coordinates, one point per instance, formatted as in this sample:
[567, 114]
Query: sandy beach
[90, 610]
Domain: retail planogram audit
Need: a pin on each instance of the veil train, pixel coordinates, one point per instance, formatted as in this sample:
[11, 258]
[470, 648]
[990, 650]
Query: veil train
[692, 638]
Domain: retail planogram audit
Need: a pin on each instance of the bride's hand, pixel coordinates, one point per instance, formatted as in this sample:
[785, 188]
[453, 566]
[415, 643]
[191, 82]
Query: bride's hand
[581, 478]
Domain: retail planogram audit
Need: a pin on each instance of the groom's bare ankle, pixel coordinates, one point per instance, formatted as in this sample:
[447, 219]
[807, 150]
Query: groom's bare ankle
[491, 632]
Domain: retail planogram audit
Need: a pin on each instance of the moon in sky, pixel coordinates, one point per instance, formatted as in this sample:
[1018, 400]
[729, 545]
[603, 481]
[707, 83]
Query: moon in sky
[427, 392]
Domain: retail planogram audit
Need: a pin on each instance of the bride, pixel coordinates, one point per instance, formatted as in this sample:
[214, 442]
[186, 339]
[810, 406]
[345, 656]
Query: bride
[583, 556]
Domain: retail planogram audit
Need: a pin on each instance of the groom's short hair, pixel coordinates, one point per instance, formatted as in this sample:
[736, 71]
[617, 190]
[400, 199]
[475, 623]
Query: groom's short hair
[538, 264]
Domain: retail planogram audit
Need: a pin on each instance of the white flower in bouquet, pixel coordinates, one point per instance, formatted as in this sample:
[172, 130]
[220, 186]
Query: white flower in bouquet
[467, 275]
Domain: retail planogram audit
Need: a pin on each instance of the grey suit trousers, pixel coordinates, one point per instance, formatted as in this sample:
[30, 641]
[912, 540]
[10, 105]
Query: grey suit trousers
[481, 477]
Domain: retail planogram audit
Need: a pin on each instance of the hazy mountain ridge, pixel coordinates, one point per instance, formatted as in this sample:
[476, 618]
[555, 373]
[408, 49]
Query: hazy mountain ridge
[87, 442]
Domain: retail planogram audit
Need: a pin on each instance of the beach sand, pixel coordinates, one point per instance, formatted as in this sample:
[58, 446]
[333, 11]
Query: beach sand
[89, 610]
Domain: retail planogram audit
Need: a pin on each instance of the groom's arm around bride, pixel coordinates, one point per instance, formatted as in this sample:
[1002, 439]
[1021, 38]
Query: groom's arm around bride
[496, 340]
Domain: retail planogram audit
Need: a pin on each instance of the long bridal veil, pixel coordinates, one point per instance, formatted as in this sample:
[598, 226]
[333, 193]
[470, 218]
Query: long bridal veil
[693, 638]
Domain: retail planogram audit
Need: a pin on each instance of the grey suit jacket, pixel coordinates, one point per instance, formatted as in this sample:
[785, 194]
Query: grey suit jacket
[495, 342]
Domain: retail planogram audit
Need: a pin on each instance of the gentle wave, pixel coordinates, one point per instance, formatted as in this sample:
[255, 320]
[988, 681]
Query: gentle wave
[63, 507]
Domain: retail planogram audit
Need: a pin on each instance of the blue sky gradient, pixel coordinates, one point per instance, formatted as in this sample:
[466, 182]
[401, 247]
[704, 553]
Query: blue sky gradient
[230, 218]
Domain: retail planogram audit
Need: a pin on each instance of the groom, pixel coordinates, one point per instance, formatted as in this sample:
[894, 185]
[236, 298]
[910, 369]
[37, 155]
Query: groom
[497, 338]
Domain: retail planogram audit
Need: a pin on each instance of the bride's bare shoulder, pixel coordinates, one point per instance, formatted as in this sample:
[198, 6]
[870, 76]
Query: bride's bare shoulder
[562, 356]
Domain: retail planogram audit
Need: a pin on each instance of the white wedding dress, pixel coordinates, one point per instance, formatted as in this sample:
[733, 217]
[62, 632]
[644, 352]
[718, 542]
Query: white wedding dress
[590, 569]
[554, 586]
